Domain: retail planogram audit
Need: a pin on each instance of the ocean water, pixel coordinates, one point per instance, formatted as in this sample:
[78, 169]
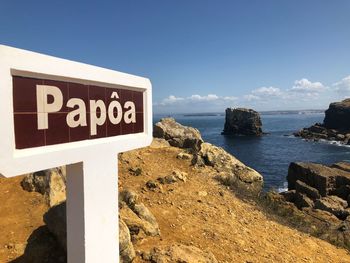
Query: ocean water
[270, 154]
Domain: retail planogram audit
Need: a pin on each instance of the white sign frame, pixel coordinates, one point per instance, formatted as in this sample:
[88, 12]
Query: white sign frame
[29, 64]
[92, 168]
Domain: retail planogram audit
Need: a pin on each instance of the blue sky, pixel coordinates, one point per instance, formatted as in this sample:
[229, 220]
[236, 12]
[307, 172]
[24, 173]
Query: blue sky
[202, 55]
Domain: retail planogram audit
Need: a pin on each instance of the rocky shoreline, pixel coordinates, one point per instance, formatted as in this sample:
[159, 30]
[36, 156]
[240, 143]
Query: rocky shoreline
[335, 127]
[319, 195]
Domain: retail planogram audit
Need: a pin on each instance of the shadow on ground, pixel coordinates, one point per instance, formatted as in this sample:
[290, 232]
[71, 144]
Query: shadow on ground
[42, 247]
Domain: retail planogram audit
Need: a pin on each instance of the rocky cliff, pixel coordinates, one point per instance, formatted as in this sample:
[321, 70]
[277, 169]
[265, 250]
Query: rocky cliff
[241, 121]
[338, 116]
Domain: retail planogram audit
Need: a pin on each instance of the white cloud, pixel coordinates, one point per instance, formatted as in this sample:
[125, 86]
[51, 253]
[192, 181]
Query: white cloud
[209, 97]
[264, 93]
[267, 92]
[251, 97]
[171, 100]
[232, 98]
[303, 94]
[343, 86]
[306, 86]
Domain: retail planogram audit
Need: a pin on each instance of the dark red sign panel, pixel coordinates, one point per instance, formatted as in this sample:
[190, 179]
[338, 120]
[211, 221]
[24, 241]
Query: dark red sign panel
[48, 112]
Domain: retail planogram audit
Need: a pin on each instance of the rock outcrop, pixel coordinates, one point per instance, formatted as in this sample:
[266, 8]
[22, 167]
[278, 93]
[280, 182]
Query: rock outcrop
[317, 200]
[320, 187]
[136, 216]
[231, 171]
[178, 135]
[335, 127]
[51, 183]
[179, 253]
[241, 121]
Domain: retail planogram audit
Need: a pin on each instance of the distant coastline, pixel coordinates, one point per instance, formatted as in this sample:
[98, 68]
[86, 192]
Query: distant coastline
[209, 114]
[203, 114]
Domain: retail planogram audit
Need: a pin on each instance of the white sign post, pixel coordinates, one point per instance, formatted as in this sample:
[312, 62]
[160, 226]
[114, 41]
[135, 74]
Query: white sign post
[56, 112]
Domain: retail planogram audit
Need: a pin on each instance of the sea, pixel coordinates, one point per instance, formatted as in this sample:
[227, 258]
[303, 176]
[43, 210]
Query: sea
[272, 153]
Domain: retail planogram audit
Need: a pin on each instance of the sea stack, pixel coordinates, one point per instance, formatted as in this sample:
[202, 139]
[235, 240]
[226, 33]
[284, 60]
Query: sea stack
[242, 121]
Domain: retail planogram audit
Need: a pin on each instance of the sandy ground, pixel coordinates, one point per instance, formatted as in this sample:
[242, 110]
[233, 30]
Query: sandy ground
[198, 212]
[21, 213]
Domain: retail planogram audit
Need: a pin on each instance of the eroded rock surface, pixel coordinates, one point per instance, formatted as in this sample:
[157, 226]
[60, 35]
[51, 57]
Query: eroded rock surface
[136, 215]
[230, 170]
[126, 248]
[159, 143]
[51, 183]
[177, 135]
[334, 205]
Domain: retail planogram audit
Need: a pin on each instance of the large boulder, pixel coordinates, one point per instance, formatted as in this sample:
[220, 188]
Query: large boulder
[177, 135]
[326, 180]
[241, 121]
[230, 170]
[317, 176]
[51, 183]
[179, 253]
[338, 115]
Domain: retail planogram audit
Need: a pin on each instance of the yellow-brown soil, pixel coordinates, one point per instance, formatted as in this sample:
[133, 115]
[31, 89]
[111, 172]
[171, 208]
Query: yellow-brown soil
[21, 213]
[232, 229]
[199, 212]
